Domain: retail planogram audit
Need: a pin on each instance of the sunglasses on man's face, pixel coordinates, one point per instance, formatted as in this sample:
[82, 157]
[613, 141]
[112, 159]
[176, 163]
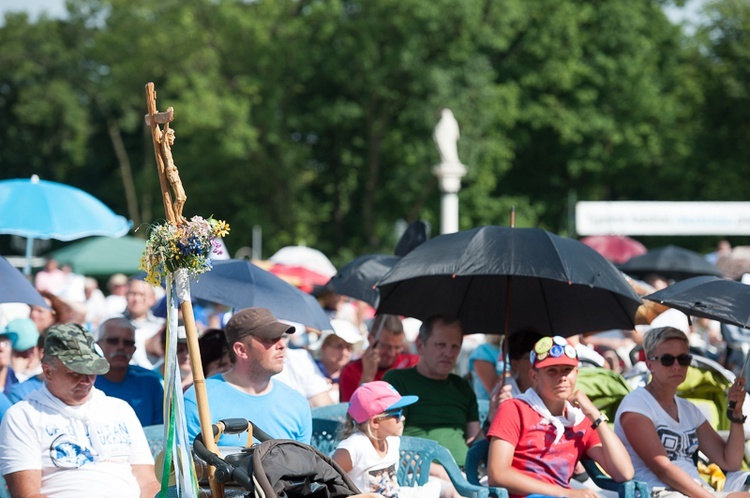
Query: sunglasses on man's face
[668, 360]
[114, 341]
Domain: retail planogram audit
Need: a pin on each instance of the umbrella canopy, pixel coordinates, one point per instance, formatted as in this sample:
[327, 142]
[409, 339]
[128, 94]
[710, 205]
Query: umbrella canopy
[240, 284]
[357, 278]
[15, 287]
[615, 248]
[38, 209]
[102, 255]
[536, 279]
[708, 297]
[671, 262]
[306, 257]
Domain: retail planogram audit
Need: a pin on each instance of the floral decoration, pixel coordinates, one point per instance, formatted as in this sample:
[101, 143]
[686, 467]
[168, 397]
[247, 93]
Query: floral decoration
[171, 247]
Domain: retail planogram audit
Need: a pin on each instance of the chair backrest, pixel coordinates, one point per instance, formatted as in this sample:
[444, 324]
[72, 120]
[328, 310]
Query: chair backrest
[4, 493]
[155, 438]
[331, 412]
[325, 435]
[414, 468]
[484, 409]
[476, 457]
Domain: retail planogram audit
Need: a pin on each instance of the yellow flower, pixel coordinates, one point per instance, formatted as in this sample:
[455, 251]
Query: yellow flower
[221, 228]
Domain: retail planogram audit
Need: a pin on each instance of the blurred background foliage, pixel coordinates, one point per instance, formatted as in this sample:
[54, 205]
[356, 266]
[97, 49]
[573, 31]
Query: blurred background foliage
[313, 119]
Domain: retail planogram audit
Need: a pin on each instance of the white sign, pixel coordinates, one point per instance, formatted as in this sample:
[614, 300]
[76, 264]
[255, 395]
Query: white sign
[662, 218]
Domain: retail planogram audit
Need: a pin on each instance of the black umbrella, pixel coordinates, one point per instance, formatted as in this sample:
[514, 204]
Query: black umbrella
[357, 278]
[671, 262]
[240, 284]
[708, 297]
[534, 278]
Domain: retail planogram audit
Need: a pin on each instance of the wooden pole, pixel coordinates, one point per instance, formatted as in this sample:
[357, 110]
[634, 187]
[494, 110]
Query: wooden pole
[174, 216]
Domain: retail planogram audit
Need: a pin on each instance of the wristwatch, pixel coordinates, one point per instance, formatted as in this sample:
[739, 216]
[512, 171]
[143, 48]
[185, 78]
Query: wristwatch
[736, 420]
[602, 418]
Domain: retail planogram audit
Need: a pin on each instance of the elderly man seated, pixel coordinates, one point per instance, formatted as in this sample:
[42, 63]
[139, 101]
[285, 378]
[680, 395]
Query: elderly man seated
[68, 439]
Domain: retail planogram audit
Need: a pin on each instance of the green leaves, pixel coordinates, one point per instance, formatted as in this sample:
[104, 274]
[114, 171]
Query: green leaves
[314, 119]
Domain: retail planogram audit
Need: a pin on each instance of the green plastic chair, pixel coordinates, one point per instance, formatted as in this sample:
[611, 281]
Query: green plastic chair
[414, 470]
[325, 435]
[484, 408]
[4, 493]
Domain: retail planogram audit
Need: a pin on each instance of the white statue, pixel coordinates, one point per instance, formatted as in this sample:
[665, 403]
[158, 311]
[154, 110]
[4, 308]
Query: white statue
[446, 136]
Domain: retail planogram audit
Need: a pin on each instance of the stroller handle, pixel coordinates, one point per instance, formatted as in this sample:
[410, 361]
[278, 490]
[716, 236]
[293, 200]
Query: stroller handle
[225, 471]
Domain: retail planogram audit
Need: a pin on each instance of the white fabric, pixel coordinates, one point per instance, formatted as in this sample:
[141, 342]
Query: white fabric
[372, 473]
[301, 374]
[572, 415]
[680, 439]
[145, 330]
[80, 450]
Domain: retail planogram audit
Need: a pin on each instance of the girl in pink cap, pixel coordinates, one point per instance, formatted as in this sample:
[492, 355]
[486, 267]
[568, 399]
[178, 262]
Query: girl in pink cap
[369, 451]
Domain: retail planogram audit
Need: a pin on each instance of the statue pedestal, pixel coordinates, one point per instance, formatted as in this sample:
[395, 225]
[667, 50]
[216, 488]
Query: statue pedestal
[449, 176]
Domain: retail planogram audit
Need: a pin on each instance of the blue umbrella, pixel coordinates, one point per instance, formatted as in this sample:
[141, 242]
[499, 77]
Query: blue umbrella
[240, 284]
[38, 209]
[15, 288]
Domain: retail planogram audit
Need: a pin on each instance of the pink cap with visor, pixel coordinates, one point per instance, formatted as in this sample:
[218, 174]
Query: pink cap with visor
[374, 398]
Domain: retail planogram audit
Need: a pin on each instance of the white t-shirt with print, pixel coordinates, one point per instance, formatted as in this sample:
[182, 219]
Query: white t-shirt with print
[372, 473]
[680, 439]
[84, 450]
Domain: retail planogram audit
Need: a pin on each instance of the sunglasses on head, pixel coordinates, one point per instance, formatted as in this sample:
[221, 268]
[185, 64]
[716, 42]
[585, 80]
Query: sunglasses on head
[114, 341]
[668, 360]
[397, 414]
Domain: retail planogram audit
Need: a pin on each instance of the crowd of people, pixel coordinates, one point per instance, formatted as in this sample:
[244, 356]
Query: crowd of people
[83, 376]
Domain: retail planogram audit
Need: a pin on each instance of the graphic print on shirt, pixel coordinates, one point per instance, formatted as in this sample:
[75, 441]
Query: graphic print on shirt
[383, 482]
[67, 453]
[678, 445]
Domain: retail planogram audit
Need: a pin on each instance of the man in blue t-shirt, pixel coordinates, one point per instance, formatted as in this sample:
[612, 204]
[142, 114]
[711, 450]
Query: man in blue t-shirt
[140, 387]
[257, 344]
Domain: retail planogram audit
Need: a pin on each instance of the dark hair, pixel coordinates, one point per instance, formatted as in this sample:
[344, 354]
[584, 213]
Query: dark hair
[425, 330]
[521, 342]
[213, 344]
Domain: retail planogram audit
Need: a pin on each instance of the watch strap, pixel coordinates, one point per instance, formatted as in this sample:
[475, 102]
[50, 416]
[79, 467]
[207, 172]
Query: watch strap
[602, 418]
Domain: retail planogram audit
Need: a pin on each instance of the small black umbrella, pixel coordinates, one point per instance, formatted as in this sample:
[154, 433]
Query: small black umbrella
[671, 262]
[357, 278]
[534, 278]
[708, 297]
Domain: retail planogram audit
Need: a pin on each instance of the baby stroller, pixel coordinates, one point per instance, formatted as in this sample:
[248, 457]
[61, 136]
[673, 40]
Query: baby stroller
[275, 467]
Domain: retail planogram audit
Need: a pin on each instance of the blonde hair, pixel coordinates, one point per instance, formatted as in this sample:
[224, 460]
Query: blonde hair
[350, 426]
[658, 336]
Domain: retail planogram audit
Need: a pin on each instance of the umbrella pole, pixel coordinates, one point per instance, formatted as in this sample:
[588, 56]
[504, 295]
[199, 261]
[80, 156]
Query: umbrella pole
[29, 255]
[174, 216]
[506, 332]
[506, 327]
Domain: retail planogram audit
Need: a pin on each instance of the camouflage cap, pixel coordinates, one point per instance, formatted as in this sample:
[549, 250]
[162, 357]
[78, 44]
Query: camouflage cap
[74, 346]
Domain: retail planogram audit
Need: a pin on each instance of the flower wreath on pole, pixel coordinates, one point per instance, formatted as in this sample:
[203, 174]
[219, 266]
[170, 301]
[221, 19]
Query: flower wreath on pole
[177, 250]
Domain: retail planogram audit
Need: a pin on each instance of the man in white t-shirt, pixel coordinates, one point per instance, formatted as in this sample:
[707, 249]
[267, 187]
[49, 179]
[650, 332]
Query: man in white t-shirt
[68, 439]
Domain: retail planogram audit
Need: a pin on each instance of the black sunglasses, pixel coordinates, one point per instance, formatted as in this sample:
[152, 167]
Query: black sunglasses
[668, 360]
[114, 341]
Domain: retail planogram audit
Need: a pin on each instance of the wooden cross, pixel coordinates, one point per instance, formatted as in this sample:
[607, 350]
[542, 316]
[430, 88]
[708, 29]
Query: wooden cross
[169, 180]
[169, 177]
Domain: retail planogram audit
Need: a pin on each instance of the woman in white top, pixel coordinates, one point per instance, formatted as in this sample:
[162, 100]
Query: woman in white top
[662, 431]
